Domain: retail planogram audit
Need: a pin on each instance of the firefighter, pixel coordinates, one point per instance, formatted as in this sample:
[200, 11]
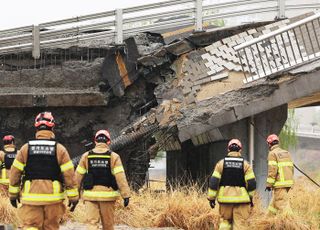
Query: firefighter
[103, 179]
[7, 157]
[280, 176]
[44, 164]
[233, 184]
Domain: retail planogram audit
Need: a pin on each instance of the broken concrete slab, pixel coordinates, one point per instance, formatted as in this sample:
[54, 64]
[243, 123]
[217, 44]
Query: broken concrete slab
[180, 47]
[245, 102]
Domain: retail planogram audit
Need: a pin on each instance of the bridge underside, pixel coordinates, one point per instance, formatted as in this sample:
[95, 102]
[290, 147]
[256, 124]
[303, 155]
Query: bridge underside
[311, 100]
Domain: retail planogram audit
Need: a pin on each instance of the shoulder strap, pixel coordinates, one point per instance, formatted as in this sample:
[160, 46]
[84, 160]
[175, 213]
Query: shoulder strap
[108, 152]
[14, 151]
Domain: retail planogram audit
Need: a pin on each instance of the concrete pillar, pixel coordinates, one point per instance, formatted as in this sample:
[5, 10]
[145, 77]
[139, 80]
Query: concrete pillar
[266, 123]
[176, 167]
[36, 42]
[119, 27]
[196, 163]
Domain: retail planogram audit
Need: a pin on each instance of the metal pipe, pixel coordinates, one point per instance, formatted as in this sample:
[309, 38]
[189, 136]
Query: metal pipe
[245, 53]
[285, 49]
[291, 46]
[304, 43]
[242, 66]
[297, 43]
[251, 140]
[279, 51]
[254, 60]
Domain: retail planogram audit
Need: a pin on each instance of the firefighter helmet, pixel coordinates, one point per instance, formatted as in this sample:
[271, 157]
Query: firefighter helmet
[234, 145]
[272, 139]
[44, 119]
[103, 135]
[8, 139]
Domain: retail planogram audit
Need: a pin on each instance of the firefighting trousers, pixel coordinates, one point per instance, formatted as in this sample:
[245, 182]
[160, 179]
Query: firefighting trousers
[280, 201]
[234, 216]
[41, 217]
[100, 210]
[4, 190]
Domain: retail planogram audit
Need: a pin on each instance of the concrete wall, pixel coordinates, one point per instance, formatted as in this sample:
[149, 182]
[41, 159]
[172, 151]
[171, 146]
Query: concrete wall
[266, 123]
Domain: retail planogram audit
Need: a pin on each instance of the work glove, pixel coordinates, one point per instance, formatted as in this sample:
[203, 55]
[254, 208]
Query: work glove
[14, 202]
[212, 203]
[72, 205]
[125, 202]
[268, 189]
[251, 202]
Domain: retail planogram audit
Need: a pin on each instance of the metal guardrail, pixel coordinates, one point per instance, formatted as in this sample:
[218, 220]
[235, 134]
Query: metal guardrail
[115, 25]
[308, 134]
[281, 49]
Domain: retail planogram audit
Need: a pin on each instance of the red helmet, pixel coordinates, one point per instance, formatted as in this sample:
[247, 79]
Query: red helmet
[271, 138]
[234, 142]
[105, 133]
[8, 139]
[44, 118]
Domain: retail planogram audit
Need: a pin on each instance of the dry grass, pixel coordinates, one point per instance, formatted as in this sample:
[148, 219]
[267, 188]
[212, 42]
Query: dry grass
[8, 213]
[187, 208]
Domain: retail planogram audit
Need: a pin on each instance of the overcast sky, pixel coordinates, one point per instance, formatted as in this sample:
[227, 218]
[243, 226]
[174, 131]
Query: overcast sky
[16, 13]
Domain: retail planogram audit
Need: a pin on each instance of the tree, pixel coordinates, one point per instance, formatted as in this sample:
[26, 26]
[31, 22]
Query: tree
[288, 137]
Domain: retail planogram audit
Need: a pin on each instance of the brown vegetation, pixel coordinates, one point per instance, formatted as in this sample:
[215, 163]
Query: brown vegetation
[187, 208]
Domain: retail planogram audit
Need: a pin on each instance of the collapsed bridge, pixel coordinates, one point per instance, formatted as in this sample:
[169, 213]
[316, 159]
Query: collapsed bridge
[183, 92]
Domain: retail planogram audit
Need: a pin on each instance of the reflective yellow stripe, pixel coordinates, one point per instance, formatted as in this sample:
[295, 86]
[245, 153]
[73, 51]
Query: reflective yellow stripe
[274, 163]
[18, 165]
[14, 189]
[243, 198]
[249, 176]
[251, 193]
[272, 209]
[56, 187]
[283, 183]
[117, 169]
[72, 192]
[81, 170]
[285, 163]
[4, 181]
[42, 197]
[224, 225]
[212, 193]
[98, 156]
[281, 173]
[32, 228]
[66, 166]
[99, 194]
[271, 180]
[26, 188]
[4, 174]
[216, 174]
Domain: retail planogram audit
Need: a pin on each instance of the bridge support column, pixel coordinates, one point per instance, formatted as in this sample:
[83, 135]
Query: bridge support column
[196, 163]
[36, 42]
[265, 123]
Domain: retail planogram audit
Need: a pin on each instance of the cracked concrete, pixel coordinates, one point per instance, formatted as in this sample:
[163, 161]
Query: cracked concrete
[247, 101]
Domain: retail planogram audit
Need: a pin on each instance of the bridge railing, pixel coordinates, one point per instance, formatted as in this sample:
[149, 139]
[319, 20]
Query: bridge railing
[281, 49]
[113, 26]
